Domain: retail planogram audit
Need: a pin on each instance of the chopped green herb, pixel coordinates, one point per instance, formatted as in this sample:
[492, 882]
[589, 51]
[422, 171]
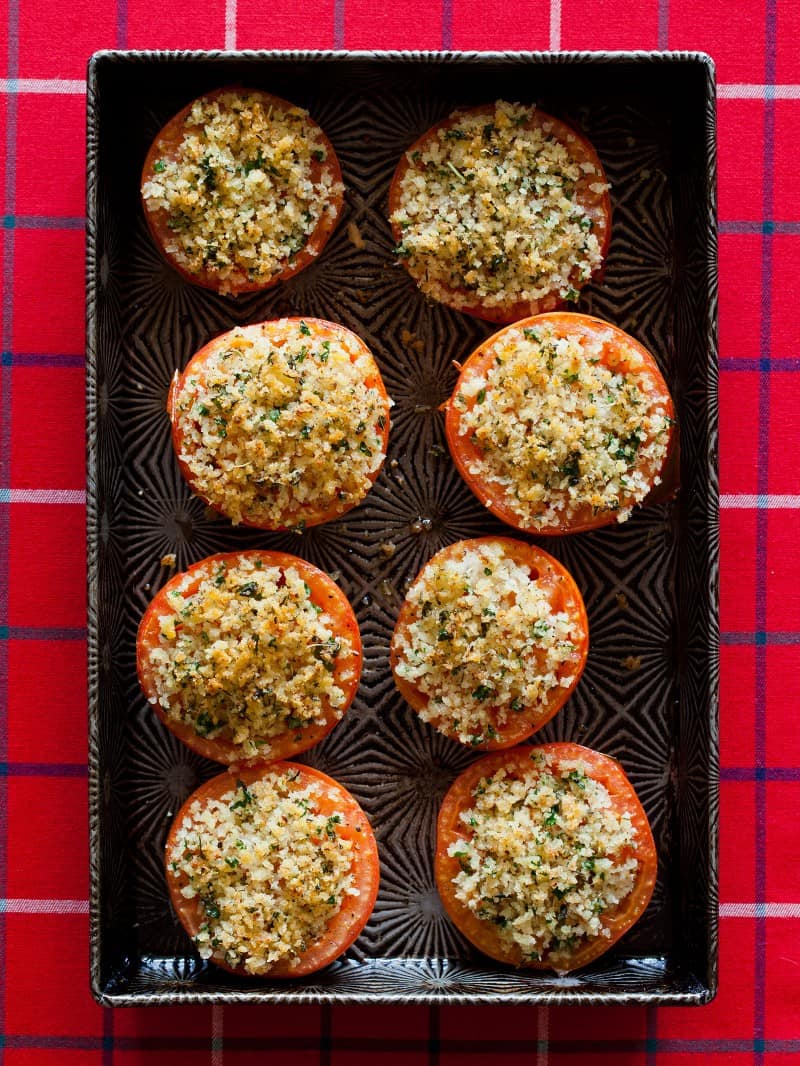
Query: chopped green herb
[482, 692]
[204, 723]
[247, 797]
[250, 589]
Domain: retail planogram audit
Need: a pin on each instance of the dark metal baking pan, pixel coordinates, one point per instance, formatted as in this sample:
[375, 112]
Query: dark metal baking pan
[649, 694]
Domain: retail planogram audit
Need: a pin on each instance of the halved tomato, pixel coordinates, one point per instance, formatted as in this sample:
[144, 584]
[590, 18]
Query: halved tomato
[323, 173]
[525, 765]
[473, 657]
[281, 424]
[344, 821]
[592, 451]
[195, 661]
[440, 267]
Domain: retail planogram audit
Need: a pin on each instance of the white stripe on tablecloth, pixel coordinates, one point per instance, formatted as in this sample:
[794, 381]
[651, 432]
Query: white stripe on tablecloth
[755, 91]
[81, 906]
[42, 85]
[772, 502]
[759, 910]
[44, 906]
[230, 24]
[42, 496]
[725, 91]
[542, 1035]
[555, 25]
[727, 501]
[217, 1035]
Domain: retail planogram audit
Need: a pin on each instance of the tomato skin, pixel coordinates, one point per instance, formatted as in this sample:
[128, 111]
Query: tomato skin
[319, 328]
[464, 452]
[601, 204]
[325, 593]
[347, 924]
[565, 596]
[483, 934]
[166, 144]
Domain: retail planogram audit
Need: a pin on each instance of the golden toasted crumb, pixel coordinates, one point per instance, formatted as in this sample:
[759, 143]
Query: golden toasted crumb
[544, 856]
[281, 425]
[269, 869]
[240, 192]
[488, 212]
[354, 235]
[559, 430]
[484, 641]
[245, 654]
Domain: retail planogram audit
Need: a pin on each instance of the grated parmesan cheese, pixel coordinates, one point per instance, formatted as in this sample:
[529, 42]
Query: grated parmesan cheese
[243, 190]
[279, 426]
[489, 211]
[269, 870]
[544, 857]
[484, 643]
[244, 655]
[558, 431]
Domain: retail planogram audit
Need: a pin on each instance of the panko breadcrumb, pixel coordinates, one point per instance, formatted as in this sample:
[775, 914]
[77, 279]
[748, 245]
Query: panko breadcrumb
[563, 423]
[268, 868]
[281, 424]
[244, 654]
[241, 188]
[480, 640]
[544, 856]
[499, 207]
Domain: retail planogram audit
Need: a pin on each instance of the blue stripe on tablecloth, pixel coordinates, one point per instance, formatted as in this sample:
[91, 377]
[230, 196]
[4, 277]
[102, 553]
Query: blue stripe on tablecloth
[54, 222]
[41, 632]
[757, 363]
[78, 769]
[6, 344]
[338, 23]
[768, 227]
[69, 222]
[40, 359]
[729, 637]
[122, 23]
[325, 1034]
[447, 24]
[762, 532]
[462, 1048]
[663, 24]
[760, 773]
[43, 769]
[759, 637]
[760, 364]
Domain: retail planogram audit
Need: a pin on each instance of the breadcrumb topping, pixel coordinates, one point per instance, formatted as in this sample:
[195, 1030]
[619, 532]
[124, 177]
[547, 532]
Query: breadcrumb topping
[490, 211]
[244, 655]
[280, 426]
[244, 190]
[484, 643]
[269, 869]
[559, 430]
[544, 857]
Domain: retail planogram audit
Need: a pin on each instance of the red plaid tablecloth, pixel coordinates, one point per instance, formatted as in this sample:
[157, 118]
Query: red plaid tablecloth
[46, 1014]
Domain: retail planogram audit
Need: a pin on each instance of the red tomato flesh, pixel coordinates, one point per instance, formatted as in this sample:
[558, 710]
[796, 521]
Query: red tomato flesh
[483, 933]
[325, 593]
[347, 923]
